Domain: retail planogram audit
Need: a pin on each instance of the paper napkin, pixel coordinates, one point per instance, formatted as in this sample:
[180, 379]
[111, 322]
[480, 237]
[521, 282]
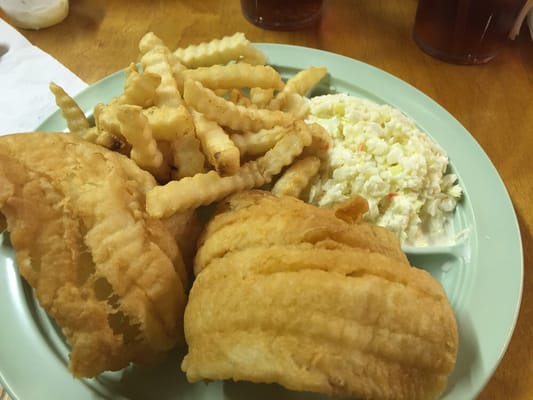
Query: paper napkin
[25, 73]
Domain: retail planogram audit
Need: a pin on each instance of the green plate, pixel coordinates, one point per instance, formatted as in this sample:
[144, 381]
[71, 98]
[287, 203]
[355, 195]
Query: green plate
[482, 272]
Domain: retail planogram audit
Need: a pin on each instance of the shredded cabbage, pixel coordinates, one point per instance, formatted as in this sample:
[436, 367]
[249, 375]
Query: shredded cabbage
[380, 154]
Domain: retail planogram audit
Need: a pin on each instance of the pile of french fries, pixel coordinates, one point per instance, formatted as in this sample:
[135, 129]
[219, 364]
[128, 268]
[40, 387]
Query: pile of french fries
[206, 121]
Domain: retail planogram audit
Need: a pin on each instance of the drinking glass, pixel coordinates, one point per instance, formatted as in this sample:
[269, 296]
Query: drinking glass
[282, 14]
[464, 31]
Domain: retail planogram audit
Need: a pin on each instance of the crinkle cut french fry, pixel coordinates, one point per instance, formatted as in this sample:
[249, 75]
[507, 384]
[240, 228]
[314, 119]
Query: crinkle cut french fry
[261, 97]
[163, 173]
[188, 159]
[150, 41]
[90, 134]
[157, 61]
[236, 96]
[252, 55]
[200, 189]
[105, 118]
[140, 89]
[258, 143]
[135, 128]
[285, 150]
[296, 104]
[108, 129]
[113, 142]
[222, 92]
[168, 123]
[220, 150]
[132, 69]
[217, 51]
[320, 143]
[71, 111]
[304, 80]
[177, 72]
[203, 189]
[231, 115]
[299, 84]
[236, 76]
[152, 124]
[297, 177]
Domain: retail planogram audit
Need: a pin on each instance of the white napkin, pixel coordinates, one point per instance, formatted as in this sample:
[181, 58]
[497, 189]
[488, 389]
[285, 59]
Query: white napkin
[25, 73]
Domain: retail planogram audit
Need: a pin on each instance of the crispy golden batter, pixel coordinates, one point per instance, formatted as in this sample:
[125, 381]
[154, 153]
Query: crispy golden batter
[275, 223]
[111, 276]
[290, 293]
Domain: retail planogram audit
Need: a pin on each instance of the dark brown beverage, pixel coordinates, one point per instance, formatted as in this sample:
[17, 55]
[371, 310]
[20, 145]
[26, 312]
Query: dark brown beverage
[282, 14]
[464, 31]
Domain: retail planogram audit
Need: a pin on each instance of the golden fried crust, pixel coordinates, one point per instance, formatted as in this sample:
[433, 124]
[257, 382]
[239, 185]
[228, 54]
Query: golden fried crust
[100, 266]
[185, 228]
[274, 223]
[339, 315]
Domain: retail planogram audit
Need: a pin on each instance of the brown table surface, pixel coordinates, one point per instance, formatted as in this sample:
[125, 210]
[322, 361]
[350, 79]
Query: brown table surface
[493, 101]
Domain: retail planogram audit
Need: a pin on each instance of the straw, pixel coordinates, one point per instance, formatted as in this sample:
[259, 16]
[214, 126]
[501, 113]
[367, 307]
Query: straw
[527, 11]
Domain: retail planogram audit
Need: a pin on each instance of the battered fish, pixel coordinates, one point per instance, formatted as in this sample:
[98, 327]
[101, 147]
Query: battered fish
[291, 294]
[111, 276]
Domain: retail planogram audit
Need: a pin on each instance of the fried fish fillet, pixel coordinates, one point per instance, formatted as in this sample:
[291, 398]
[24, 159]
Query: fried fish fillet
[111, 276]
[288, 293]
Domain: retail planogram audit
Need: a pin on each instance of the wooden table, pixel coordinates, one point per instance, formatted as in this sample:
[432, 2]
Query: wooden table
[493, 101]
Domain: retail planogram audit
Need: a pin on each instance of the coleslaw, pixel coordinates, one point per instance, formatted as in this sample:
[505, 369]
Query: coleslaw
[380, 154]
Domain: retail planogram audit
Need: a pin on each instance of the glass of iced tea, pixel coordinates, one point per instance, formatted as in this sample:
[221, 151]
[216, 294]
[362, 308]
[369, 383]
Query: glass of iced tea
[464, 31]
[282, 14]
